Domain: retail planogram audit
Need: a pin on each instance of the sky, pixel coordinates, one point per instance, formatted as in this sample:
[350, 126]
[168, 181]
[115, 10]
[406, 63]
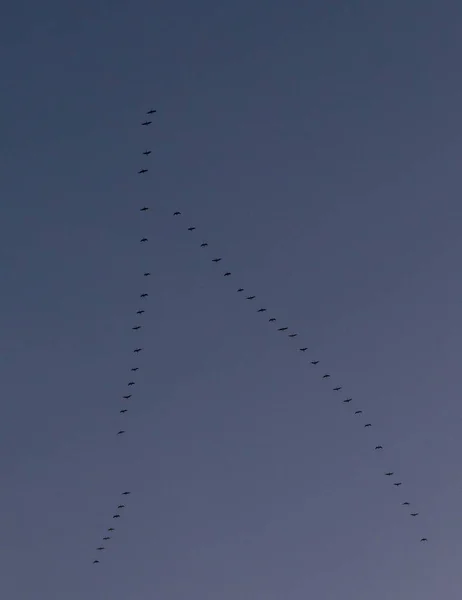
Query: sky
[316, 147]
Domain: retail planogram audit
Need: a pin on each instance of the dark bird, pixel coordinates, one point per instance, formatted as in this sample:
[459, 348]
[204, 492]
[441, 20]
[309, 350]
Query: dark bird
[134, 369]
[120, 432]
[292, 335]
[368, 425]
[406, 503]
[146, 123]
[121, 506]
[398, 483]
[303, 349]
[348, 400]
[389, 474]
[144, 295]
[131, 383]
[136, 327]
[250, 298]
[116, 516]
[326, 376]
[204, 245]
[146, 274]
[101, 548]
[191, 228]
[143, 240]
[283, 328]
[125, 493]
[272, 320]
[379, 447]
[141, 171]
[145, 208]
[424, 540]
[337, 389]
[127, 396]
[147, 152]
[176, 213]
[261, 310]
[216, 260]
[108, 537]
[151, 112]
[240, 290]
[124, 410]
[414, 514]
[314, 362]
[227, 274]
[111, 529]
[358, 412]
[95, 561]
[140, 312]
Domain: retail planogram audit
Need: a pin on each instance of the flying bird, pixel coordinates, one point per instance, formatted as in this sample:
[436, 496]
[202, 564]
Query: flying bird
[147, 152]
[176, 213]
[146, 274]
[216, 260]
[111, 529]
[124, 410]
[348, 400]
[145, 208]
[337, 389]
[204, 245]
[136, 327]
[144, 295]
[414, 514]
[121, 506]
[261, 310]
[303, 349]
[120, 432]
[116, 516]
[108, 537]
[146, 123]
[134, 369]
[379, 447]
[250, 298]
[101, 548]
[368, 425]
[227, 274]
[398, 483]
[141, 171]
[151, 111]
[127, 396]
[358, 412]
[326, 376]
[140, 312]
[389, 474]
[314, 362]
[240, 290]
[131, 383]
[283, 328]
[125, 493]
[406, 503]
[292, 335]
[143, 240]
[95, 561]
[424, 540]
[191, 228]
[272, 320]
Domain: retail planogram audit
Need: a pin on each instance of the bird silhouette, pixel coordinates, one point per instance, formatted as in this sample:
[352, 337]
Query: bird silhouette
[216, 260]
[144, 209]
[125, 493]
[101, 548]
[379, 447]
[146, 123]
[368, 425]
[283, 328]
[95, 561]
[314, 362]
[141, 171]
[424, 540]
[191, 228]
[326, 376]
[397, 483]
[406, 503]
[120, 432]
[127, 396]
[240, 290]
[147, 152]
[204, 245]
[337, 389]
[116, 516]
[176, 213]
[358, 412]
[146, 274]
[261, 310]
[389, 474]
[131, 383]
[136, 327]
[121, 506]
[143, 239]
[107, 537]
[292, 335]
[303, 349]
[144, 295]
[140, 312]
[111, 529]
[347, 400]
[151, 111]
[414, 514]
[227, 274]
[250, 298]
[134, 369]
[272, 320]
[124, 410]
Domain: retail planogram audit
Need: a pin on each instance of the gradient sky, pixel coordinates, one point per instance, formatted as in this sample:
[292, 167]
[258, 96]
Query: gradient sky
[316, 146]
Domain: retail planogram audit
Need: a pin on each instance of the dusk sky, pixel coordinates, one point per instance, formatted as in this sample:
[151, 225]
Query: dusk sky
[316, 146]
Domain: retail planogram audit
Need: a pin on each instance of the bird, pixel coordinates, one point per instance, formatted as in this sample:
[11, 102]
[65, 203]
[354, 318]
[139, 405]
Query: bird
[216, 260]
[95, 561]
[176, 213]
[358, 412]
[204, 245]
[107, 537]
[347, 400]
[314, 362]
[261, 310]
[144, 295]
[147, 152]
[292, 335]
[337, 389]
[116, 516]
[141, 171]
[398, 483]
[240, 290]
[326, 376]
[101, 548]
[121, 506]
[134, 369]
[127, 396]
[124, 410]
[140, 312]
[414, 514]
[144, 209]
[424, 540]
[146, 274]
[151, 111]
[143, 240]
[379, 447]
[303, 349]
[389, 474]
[191, 228]
[136, 327]
[111, 529]
[227, 274]
[250, 298]
[125, 493]
[283, 328]
[131, 383]
[146, 123]
[368, 425]
[406, 503]
[271, 320]
[120, 432]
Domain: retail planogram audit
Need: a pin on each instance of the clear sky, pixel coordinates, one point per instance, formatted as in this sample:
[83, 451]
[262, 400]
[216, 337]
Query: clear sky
[316, 146]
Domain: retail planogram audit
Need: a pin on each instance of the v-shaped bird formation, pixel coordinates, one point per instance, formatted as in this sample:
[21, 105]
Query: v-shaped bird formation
[261, 309]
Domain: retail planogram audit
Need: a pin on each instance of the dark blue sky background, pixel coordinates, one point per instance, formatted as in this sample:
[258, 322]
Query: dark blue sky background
[316, 147]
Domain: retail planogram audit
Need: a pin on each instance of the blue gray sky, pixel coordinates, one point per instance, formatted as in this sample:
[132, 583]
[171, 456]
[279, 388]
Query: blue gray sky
[316, 147]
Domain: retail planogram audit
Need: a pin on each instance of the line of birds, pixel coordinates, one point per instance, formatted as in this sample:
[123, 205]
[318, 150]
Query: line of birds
[262, 309]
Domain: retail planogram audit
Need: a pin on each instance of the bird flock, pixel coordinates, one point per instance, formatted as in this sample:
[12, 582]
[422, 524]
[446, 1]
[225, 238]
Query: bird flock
[281, 329]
